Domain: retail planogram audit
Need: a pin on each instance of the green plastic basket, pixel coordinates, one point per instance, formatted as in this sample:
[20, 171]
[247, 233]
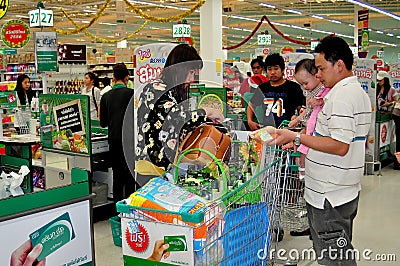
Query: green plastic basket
[115, 223]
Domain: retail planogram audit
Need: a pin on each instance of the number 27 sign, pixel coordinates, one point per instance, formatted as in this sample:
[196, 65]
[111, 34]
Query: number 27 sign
[40, 18]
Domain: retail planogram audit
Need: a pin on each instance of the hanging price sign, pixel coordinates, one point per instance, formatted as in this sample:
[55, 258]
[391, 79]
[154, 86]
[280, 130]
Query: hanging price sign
[181, 30]
[41, 18]
[313, 45]
[264, 39]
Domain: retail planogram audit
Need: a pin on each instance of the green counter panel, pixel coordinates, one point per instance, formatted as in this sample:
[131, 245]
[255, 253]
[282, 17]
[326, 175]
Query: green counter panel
[43, 198]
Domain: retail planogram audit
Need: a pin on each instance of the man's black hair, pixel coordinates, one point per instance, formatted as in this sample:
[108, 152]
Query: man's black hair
[274, 60]
[335, 48]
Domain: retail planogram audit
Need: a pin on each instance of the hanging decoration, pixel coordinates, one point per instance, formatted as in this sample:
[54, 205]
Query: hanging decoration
[102, 40]
[85, 27]
[168, 19]
[273, 27]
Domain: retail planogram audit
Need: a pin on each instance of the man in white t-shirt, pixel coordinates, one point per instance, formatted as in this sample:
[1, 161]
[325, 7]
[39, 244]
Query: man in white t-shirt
[335, 161]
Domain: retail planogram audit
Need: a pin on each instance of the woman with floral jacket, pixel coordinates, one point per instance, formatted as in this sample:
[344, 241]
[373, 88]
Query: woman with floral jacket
[164, 117]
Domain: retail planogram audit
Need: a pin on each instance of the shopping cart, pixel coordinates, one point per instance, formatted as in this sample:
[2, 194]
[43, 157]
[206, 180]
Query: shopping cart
[22, 118]
[293, 205]
[236, 229]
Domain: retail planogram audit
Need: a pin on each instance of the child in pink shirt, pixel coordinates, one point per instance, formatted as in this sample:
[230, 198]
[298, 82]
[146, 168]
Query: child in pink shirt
[305, 74]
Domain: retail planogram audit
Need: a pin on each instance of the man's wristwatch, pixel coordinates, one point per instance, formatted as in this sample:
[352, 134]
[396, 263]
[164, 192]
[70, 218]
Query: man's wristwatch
[297, 139]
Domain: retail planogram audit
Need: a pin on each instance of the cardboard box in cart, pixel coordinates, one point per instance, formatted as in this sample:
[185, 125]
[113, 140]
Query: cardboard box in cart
[166, 214]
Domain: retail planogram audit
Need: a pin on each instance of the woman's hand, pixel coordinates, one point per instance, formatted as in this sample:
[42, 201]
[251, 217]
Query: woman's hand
[215, 115]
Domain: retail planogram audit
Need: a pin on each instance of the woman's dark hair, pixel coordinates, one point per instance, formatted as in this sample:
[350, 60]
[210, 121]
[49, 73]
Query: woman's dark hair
[93, 77]
[335, 48]
[20, 90]
[182, 59]
[274, 60]
[106, 81]
[306, 64]
[386, 87]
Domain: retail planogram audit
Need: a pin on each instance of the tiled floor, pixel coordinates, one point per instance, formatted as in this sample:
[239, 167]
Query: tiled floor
[376, 228]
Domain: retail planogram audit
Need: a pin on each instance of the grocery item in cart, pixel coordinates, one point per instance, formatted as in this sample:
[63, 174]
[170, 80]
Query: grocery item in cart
[159, 194]
[263, 134]
[169, 203]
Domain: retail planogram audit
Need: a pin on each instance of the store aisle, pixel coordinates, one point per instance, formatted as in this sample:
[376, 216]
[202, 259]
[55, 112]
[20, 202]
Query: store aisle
[376, 226]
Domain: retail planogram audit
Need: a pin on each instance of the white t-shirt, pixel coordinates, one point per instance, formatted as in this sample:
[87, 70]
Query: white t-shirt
[346, 117]
[92, 107]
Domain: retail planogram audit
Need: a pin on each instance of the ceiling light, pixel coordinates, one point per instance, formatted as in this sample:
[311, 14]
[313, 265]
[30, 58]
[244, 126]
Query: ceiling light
[379, 31]
[293, 11]
[267, 5]
[335, 21]
[89, 11]
[374, 8]
[390, 34]
[280, 24]
[318, 17]
[107, 23]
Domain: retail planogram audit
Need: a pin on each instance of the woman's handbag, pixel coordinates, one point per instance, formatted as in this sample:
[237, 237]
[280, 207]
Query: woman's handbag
[206, 137]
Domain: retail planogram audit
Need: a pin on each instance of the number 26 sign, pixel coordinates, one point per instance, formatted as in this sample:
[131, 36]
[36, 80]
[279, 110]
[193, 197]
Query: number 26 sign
[40, 18]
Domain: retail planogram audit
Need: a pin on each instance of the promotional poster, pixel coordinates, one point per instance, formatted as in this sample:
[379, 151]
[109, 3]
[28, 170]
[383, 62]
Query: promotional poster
[62, 235]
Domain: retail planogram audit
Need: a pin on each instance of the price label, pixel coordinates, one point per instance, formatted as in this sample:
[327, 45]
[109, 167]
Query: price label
[354, 50]
[181, 30]
[264, 39]
[313, 45]
[41, 18]
[4, 7]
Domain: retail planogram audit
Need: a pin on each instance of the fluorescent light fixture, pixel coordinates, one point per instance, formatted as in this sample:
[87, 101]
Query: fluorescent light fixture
[234, 28]
[379, 31]
[280, 24]
[374, 8]
[107, 23]
[318, 17]
[293, 11]
[298, 27]
[335, 21]
[351, 25]
[390, 34]
[243, 18]
[321, 31]
[267, 5]
[89, 11]
[85, 21]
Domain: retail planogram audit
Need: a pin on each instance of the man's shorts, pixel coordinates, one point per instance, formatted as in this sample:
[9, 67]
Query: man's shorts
[331, 231]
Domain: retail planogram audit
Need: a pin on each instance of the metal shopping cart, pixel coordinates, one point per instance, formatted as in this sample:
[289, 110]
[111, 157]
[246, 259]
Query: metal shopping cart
[294, 212]
[236, 229]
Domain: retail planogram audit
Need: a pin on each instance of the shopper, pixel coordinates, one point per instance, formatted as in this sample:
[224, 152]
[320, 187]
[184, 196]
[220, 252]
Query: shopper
[24, 90]
[283, 98]
[163, 115]
[107, 87]
[396, 120]
[385, 93]
[113, 106]
[91, 89]
[305, 74]
[334, 162]
[257, 67]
